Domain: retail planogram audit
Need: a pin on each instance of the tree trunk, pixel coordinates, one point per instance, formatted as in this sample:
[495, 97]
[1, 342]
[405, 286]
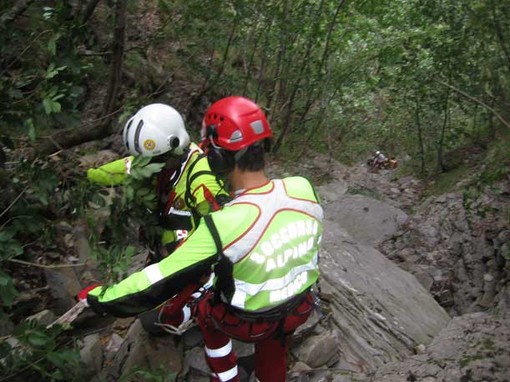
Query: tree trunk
[419, 131]
[332, 23]
[209, 83]
[440, 144]
[289, 102]
[501, 38]
[271, 94]
[12, 14]
[116, 63]
[325, 55]
[65, 138]
[89, 10]
[263, 66]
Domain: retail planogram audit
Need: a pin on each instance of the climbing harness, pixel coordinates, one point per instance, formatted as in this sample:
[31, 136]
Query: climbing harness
[224, 288]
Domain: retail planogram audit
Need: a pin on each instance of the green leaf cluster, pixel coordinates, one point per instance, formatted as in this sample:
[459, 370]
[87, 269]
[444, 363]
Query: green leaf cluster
[42, 75]
[24, 219]
[37, 353]
[130, 208]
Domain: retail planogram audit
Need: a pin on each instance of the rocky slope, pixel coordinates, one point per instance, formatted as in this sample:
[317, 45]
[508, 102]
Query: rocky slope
[457, 246]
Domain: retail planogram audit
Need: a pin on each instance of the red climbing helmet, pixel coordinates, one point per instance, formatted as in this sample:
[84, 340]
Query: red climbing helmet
[233, 123]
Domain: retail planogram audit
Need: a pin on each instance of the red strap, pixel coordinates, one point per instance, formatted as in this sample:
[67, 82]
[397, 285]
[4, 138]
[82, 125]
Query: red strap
[82, 295]
[176, 303]
[211, 199]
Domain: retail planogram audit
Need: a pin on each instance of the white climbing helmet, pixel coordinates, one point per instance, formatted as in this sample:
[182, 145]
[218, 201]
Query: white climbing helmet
[154, 130]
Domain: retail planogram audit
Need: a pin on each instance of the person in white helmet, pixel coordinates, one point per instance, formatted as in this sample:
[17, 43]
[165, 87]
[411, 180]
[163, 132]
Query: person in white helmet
[186, 188]
[378, 160]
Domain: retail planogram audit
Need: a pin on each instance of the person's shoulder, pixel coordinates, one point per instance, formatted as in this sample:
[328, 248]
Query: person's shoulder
[235, 213]
[297, 180]
[300, 187]
[195, 147]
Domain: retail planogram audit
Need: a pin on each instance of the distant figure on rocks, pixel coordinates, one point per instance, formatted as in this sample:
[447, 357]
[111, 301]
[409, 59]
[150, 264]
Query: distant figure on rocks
[378, 159]
[263, 247]
[381, 161]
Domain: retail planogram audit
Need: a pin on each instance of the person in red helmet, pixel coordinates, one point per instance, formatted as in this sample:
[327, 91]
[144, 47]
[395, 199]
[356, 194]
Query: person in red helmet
[262, 246]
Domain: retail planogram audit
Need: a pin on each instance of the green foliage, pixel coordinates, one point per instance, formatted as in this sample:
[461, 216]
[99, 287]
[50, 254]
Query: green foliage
[365, 192]
[447, 182]
[127, 207]
[113, 260]
[41, 72]
[38, 353]
[345, 78]
[7, 289]
[24, 220]
[497, 160]
[161, 374]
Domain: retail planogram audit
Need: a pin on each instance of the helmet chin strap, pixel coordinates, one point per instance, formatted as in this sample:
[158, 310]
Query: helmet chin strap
[240, 153]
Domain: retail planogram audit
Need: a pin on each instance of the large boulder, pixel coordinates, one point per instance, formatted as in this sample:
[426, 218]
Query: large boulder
[366, 219]
[381, 312]
[140, 352]
[473, 347]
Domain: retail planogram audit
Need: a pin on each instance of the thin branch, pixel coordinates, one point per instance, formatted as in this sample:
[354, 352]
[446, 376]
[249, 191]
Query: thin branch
[117, 58]
[13, 202]
[24, 51]
[64, 139]
[502, 120]
[44, 266]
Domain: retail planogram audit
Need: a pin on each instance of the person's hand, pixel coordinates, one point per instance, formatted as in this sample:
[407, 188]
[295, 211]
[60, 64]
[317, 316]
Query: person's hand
[82, 295]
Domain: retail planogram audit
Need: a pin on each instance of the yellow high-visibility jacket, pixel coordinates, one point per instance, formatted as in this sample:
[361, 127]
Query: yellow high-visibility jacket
[184, 194]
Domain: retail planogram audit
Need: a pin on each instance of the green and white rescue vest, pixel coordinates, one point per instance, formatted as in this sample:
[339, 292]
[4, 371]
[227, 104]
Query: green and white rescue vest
[271, 235]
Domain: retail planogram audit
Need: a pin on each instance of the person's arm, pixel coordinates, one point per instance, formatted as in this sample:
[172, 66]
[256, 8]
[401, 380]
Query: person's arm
[195, 257]
[111, 174]
[146, 289]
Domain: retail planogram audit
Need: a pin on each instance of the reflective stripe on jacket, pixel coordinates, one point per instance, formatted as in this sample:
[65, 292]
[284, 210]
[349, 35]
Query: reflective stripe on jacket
[271, 234]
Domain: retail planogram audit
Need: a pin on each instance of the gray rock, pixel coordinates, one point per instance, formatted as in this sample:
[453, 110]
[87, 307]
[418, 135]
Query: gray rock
[367, 220]
[331, 192]
[319, 351]
[140, 350]
[472, 347]
[114, 343]
[299, 367]
[341, 378]
[91, 355]
[381, 312]
[243, 349]
[64, 286]
[44, 317]
[308, 327]
[195, 366]
[424, 278]
[192, 338]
